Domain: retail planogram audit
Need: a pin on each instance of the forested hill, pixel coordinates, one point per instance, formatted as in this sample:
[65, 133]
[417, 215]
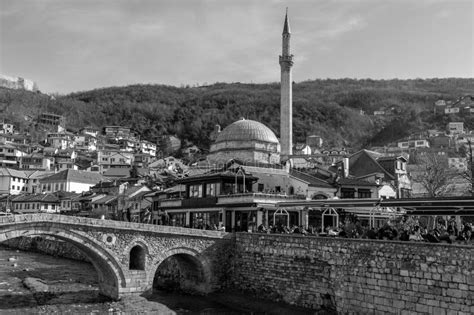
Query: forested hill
[330, 108]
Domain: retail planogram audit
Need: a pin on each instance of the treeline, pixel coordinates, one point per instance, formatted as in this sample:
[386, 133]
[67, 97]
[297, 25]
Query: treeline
[330, 108]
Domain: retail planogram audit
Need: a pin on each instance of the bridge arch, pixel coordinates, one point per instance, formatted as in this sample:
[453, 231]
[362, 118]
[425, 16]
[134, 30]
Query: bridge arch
[110, 274]
[198, 268]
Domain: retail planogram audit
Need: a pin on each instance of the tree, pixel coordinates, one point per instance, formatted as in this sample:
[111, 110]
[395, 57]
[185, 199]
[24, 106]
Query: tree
[434, 175]
[468, 174]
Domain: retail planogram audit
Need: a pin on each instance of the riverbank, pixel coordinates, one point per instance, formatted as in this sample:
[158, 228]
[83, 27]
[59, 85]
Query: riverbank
[35, 283]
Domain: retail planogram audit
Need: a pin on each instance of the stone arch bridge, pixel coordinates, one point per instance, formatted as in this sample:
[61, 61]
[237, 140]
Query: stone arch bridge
[127, 255]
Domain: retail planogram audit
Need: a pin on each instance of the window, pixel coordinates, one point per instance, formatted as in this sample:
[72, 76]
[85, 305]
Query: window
[364, 193]
[33, 206]
[62, 186]
[195, 191]
[13, 187]
[260, 187]
[211, 190]
[347, 193]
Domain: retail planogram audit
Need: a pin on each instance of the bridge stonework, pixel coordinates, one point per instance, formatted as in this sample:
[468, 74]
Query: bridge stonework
[354, 276]
[127, 255]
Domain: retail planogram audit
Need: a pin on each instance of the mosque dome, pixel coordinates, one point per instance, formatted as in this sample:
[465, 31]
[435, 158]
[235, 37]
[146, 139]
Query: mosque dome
[247, 130]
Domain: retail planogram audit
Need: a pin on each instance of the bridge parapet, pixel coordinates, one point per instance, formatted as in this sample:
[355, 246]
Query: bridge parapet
[109, 224]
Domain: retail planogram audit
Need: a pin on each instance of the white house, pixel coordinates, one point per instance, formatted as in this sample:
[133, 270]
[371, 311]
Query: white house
[71, 181]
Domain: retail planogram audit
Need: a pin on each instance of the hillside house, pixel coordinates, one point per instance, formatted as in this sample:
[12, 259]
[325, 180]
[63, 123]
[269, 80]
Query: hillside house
[10, 155]
[35, 161]
[118, 132]
[7, 128]
[409, 144]
[455, 128]
[451, 110]
[60, 140]
[107, 159]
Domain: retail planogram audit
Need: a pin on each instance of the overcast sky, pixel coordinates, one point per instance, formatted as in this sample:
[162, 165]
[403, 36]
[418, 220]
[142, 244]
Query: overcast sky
[75, 45]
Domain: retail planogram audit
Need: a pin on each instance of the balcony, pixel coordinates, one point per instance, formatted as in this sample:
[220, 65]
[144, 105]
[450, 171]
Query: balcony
[171, 203]
[255, 198]
[199, 202]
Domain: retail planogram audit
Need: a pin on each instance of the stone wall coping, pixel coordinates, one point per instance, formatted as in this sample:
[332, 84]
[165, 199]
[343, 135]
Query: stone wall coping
[110, 224]
[357, 240]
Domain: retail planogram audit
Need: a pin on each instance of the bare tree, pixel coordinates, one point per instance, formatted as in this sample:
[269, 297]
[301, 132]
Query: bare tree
[434, 176]
[468, 174]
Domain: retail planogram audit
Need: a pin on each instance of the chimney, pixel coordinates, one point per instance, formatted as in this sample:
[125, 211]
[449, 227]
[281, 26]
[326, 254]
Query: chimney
[345, 165]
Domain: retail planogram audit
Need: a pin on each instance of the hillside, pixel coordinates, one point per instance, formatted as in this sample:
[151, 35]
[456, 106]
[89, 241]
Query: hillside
[330, 108]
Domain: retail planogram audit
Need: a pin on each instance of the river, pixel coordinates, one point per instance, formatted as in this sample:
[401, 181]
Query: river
[35, 283]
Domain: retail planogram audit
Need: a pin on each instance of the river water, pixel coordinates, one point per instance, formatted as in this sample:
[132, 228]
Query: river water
[34, 283]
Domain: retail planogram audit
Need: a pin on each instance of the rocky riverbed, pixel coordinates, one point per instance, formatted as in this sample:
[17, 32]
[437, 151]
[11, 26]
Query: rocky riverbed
[35, 283]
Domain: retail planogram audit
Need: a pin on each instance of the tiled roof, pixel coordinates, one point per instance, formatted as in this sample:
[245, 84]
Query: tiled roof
[11, 172]
[118, 172]
[75, 176]
[355, 182]
[310, 179]
[105, 200]
[36, 198]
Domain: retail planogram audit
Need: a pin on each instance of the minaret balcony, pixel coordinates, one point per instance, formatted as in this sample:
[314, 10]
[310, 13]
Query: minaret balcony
[286, 59]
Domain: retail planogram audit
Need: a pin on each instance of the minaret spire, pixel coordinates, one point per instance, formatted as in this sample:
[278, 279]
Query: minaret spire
[286, 25]
[286, 97]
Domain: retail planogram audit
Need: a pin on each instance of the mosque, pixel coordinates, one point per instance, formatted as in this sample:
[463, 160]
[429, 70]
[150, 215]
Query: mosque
[251, 142]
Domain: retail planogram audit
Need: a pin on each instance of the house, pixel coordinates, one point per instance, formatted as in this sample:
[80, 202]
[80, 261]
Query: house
[34, 203]
[7, 128]
[91, 131]
[314, 141]
[85, 142]
[13, 182]
[52, 121]
[35, 161]
[66, 200]
[455, 128]
[301, 149]
[133, 202]
[60, 140]
[71, 181]
[410, 144]
[107, 159]
[393, 170]
[105, 207]
[451, 110]
[147, 147]
[142, 159]
[117, 132]
[10, 155]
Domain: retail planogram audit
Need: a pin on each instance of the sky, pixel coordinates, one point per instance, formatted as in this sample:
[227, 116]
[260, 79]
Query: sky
[77, 45]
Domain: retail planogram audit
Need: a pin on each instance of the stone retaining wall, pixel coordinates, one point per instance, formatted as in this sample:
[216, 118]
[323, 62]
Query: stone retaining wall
[356, 276]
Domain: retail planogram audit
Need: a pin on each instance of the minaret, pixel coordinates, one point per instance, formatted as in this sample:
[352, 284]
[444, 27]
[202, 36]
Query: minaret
[286, 98]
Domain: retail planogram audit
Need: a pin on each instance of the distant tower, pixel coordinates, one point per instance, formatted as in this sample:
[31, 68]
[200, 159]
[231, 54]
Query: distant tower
[286, 99]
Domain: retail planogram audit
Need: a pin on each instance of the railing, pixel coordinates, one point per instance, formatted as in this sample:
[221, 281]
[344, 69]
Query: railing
[171, 203]
[255, 197]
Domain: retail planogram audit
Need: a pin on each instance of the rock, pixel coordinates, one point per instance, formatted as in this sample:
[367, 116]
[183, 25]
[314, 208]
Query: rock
[12, 259]
[15, 265]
